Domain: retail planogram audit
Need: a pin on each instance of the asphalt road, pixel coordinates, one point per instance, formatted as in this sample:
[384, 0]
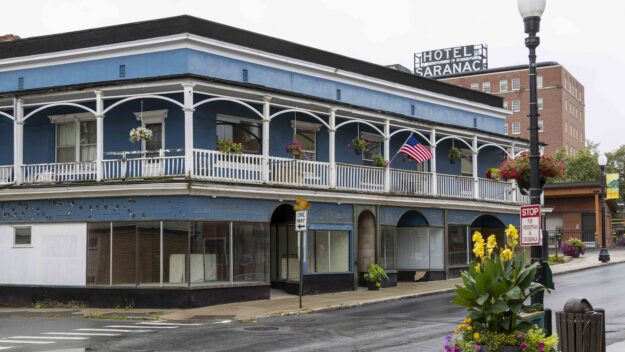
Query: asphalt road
[409, 325]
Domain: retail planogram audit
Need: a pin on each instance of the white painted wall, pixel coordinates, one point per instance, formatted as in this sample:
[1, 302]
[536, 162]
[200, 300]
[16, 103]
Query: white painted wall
[57, 256]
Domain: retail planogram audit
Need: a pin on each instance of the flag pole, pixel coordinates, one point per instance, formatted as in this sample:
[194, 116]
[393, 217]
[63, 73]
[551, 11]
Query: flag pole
[397, 152]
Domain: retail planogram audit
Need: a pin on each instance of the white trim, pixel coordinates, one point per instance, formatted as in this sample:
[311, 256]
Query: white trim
[306, 126]
[237, 119]
[186, 40]
[82, 116]
[372, 137]
[153, 117]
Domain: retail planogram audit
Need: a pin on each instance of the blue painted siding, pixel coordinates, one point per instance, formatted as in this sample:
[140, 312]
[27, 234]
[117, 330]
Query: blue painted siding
[391, 215]
[191, 61]
[487, 158]
[465, 217]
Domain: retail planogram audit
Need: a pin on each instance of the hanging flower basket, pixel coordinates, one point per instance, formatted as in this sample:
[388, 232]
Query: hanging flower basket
[519, 169]
[140, 134]
[359, 145]
[229, 147]
[454, 155]
[295, 149]
[379, 161]
[493, 174]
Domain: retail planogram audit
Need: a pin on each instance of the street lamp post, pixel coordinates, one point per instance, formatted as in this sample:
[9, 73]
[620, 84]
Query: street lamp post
[604, 256]
[531, 10]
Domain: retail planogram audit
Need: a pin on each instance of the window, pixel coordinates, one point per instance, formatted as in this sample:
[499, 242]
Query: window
[486, 87]
[516, 105]
[458, 245]
[516, 128]
[541, 126]
[505, 104]
[539, 81]
[240, 130]
[505, 128]
[22, 236]
[475, 86]
[328, 252]
[153, 120]
[306, 134]
[516, 84]
[75, 141]
[387, 244]
[540, 103]
[466, 162]
[503, 85]
[420, 248]
[373, 148]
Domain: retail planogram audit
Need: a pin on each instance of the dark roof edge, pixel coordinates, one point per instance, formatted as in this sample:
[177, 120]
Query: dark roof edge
[189, 24]
[499, 69]
[571, 185]
[94, 85]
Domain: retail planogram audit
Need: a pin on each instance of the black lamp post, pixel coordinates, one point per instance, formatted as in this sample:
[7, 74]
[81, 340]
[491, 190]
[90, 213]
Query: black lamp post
[531, 10]
[604, 256]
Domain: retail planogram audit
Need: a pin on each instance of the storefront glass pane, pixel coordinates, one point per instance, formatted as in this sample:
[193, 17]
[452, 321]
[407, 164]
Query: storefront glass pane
[287, 258]
[387, 257]
[175, 243]
[412, 248]
[458, 245]
[251, 242]
[328, 251]
[437, 248]
[210, 252]
[98, 253]
[124, 254]
[149, 256]
[339, 251]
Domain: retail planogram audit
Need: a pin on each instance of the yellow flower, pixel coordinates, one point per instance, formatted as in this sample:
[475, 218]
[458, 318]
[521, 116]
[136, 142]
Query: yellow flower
[477, 236]
[478, 250]
[456, 332]
[492, 241]
[469, 328]
[476, 336]
[512, 235]
[468, 320]
[506, 255]
[461, 326]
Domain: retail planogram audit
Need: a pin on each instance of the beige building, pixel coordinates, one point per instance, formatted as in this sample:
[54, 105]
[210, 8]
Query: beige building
[560, 102]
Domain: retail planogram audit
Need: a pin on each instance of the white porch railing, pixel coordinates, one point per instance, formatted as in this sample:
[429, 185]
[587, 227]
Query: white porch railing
[495, 190]
[304, 173]
[214, 165]
[360, 178]
[59, 172]
[411, 182]
[143, 167]
[455, 186]
[6, 175]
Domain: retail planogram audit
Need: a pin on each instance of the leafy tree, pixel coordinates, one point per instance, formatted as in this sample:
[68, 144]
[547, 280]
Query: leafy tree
[583, 166]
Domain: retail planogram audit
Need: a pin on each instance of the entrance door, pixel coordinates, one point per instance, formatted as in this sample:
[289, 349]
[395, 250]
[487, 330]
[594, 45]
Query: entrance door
[284, 256]
[588, 227]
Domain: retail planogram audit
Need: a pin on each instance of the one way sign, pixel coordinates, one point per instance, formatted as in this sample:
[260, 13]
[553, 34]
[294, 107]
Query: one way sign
[301, 220]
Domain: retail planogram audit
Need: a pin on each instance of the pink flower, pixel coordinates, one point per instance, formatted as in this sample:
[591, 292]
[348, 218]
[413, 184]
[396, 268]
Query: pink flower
[523, 346]
[541, 345]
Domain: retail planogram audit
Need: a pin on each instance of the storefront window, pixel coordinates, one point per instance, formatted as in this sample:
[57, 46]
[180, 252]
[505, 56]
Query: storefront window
[387, 239]
[250, 252]
[420, 248]
[124, 254]
[458, 245]
[328, 251]
[98, 254]
[437, 248]
[175, 244]
[149, 253]
[210, 252]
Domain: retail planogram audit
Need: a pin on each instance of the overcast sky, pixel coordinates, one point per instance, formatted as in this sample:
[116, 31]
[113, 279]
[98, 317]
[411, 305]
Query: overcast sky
[384, 32]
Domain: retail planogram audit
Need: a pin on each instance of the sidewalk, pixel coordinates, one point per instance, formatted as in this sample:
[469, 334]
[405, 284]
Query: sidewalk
[285, 304]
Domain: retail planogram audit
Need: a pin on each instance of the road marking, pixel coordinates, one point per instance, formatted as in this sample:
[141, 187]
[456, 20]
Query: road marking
[5, 348]
[48, 337]
[113, 330]
[174, 324]
[222, 322]
[140, 327]
[80, 333]
[21, 341]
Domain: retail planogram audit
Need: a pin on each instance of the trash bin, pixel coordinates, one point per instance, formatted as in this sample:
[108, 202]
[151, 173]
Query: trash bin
[581, 329]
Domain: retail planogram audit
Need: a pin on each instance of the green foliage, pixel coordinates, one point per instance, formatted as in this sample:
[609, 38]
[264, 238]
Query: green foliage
[379, 161]
[228, 146]
[583, 166]
[555, 260]
[454, 154]
[496, 340]
[535, 340]
[359, 144]
[375, 274]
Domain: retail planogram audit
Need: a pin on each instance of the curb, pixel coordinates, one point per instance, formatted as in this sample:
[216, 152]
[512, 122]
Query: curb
[589, 267]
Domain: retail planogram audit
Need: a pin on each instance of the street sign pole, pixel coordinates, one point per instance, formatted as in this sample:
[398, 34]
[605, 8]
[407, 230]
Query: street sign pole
[301, 225]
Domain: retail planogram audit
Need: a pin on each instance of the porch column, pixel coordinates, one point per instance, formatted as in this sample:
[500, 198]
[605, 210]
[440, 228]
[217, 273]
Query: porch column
[99, 117]
[188, 128]
[265, 136]
[476, 181]
[387, 155]
[18, 141]
[433, 162]
[332, 148]
[513, 182]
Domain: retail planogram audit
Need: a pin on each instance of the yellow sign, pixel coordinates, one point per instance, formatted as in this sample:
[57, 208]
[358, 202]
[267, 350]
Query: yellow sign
[301, 204]
[611, 181]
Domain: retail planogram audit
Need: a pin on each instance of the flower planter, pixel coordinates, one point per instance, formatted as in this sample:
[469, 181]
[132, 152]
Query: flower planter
[483, 348]
[524, 185]
[372, 286]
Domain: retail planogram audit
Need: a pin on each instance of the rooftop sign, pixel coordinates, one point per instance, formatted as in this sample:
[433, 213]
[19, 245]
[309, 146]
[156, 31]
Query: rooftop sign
[449, 61]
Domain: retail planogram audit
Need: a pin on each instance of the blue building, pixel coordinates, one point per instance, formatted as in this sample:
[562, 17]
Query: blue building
[201, 213]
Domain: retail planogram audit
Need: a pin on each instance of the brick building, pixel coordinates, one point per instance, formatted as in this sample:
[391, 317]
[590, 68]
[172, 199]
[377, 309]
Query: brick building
[560, 102]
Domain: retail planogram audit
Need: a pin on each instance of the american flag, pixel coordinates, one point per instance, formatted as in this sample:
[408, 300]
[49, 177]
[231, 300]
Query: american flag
[416, 151]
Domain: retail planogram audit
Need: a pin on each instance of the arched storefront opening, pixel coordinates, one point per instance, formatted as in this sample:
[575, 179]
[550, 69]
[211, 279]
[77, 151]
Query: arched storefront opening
[366, 241]
[284, 255]
[487, 225]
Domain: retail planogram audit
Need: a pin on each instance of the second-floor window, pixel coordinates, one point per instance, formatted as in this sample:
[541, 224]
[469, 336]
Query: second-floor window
[306, 134]
[466, 162]
[240, 130]
[516, 105]
[486, 87]
[503, 85]
[539, 81]
[505, 129]
[75, 141]
[475, 86]
[373, 148]
[516, 84]
[516, 128]
[540, 103]
[541, 126]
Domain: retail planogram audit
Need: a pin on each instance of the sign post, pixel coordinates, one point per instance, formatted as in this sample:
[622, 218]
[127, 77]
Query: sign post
[301, 226]
[530, 225]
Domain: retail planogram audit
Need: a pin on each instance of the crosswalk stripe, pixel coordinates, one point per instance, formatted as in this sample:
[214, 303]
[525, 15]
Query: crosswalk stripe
[49, 337]
[31, 342]
[140, 327]
[80, 333]
[5, 348]
[113, 330]
[170, 324]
